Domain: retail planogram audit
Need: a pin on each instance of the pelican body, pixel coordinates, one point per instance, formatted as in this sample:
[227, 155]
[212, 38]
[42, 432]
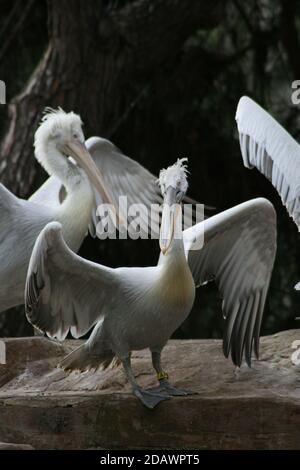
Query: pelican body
[151, 304]
[137, 308]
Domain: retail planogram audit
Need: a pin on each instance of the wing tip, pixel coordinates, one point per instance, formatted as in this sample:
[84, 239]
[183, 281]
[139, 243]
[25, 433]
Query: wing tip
[268, 207]
[243, 101]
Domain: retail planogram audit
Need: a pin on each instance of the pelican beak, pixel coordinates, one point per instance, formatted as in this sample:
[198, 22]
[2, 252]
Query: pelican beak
[168, 220]
[77, 150]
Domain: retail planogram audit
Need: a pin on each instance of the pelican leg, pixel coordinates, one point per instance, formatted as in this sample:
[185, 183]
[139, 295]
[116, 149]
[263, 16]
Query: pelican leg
[164, 386]
[149, 399]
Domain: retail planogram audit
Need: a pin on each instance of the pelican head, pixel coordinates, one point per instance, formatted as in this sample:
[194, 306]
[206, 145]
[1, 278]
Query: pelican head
[173, 184]
[59, 137]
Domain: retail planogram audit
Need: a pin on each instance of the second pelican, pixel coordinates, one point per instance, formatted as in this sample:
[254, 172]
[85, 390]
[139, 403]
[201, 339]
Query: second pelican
[59, 137]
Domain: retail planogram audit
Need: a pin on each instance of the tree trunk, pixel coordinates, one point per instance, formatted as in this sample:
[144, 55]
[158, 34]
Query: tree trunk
[97, 63]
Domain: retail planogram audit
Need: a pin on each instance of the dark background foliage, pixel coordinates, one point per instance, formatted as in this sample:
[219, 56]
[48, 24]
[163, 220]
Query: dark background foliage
[184, 106]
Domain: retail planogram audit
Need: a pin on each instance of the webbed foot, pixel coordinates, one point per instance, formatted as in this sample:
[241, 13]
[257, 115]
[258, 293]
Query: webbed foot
[148, 398]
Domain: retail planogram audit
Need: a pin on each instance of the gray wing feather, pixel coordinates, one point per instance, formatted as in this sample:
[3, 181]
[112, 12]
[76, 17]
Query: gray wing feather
[238, 252]
[20, 223]
[65, 292]
[19, 216]
[124, 177]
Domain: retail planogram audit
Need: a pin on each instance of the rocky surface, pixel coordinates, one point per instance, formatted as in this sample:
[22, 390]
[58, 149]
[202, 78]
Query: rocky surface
[257, 408]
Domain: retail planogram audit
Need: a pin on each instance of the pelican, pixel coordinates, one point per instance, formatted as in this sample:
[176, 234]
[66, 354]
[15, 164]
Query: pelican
[137, 308]
[58, 137]
[267, 146]
[68, 196]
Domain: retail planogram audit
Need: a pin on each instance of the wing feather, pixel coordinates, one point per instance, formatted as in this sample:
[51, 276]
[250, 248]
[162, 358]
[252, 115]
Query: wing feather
[238, 252]
[267, 146]
[63, 291]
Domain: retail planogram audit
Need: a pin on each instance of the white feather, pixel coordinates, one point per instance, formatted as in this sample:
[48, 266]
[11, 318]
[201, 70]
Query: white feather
[266, 145]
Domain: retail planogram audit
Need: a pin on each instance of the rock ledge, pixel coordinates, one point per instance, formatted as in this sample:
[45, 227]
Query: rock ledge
[256, 408]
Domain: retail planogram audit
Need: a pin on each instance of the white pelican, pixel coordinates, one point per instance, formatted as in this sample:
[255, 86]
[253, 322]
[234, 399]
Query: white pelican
[266, 145]
[58, 137]
[112, 174]
[137, 308]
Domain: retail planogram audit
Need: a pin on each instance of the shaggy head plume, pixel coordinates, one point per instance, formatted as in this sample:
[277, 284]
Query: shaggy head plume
[175, 176]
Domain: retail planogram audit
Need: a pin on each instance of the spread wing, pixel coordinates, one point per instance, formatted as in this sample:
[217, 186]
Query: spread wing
[64, 291]
[20, 223]
[266, 145]
[126, 177]
[238, 252]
